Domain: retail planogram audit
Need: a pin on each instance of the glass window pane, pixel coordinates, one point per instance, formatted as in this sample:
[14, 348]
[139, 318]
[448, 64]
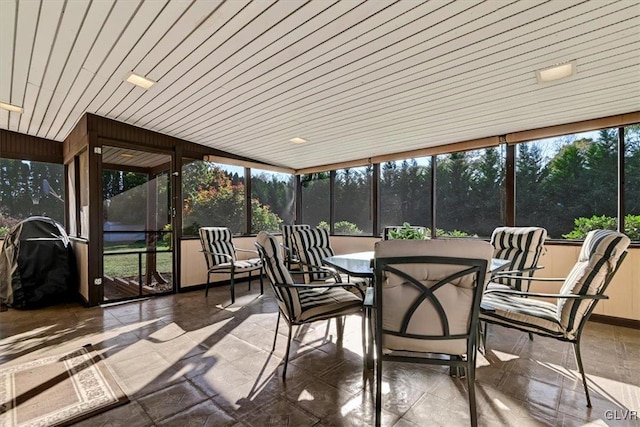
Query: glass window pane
[353, 213]
[568, 184]
[315, 199]
[470, 192]
[632, 181]
[30, 188]
[405, 192]
[272, 196]
[213, 195]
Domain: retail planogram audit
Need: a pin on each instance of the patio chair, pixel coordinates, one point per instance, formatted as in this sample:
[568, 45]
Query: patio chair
[291, 257]
[426, 304]
[221, 257]
[523, 246]
[313, 245]
[303, 303]
[600, 257]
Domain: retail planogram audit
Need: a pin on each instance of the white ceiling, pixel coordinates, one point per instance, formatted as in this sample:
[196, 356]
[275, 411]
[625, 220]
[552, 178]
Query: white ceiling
[355, 78]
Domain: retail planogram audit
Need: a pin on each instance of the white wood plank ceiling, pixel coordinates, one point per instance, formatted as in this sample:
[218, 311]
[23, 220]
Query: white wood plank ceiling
[354, 78]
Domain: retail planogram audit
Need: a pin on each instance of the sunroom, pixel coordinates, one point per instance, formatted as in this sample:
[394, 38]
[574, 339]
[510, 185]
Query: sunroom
[136, 123]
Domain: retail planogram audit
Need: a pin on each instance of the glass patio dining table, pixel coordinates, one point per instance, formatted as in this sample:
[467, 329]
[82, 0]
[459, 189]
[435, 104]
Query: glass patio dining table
[360, 264]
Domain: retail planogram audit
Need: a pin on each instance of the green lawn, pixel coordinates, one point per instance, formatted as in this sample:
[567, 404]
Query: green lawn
[127, 265]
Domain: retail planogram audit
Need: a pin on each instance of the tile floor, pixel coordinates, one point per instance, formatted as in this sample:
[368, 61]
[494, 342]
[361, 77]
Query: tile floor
[187, 360]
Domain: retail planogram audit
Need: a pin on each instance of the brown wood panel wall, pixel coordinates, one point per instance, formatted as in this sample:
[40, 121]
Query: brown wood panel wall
[14, 145]
[117, 131]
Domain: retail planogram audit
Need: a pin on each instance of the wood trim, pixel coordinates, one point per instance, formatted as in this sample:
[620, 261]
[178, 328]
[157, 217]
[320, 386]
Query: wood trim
[492, 141]
[567, 129]
[473, 144]
[616, 321]
[20, 146]
[247, 164]
[510, 183]
[96, 213]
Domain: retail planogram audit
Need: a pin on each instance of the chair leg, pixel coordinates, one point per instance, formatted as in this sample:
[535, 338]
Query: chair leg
[471, 381]
[206, 288]
[261, 281]
[232, 286]
[340, 327]
[250, 276]
[275, 336]
[286, 355]
[530, 336]
[378, 362]
[576, 350]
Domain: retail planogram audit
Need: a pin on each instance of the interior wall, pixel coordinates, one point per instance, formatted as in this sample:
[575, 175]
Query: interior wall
[624, 292]
[81, 252]
[194, 266]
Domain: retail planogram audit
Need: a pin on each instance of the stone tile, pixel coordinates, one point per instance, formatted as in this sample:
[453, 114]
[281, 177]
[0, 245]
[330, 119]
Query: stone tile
[128, 415]
[171, 400]
[531, 390]
[280, 413]
[205, 414]
[317, 397]
[213, 364]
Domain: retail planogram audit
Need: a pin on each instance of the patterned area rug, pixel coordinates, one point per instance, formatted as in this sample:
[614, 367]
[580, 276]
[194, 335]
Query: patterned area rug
[58, 390]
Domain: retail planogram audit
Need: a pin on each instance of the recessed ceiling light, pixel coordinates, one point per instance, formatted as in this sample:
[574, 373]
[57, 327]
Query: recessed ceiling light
[297, 140]
[12, 108]
[139, 80]
[127, 155]
[556, 72]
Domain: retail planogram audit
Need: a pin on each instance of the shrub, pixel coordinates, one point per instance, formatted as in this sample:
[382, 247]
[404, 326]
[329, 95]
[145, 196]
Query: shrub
[341, 227]
[406, 232]
[584, 225]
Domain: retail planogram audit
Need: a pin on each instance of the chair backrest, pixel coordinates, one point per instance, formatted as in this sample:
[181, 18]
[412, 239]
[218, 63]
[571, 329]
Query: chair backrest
[428, 293]
[313, 245]
[523, 246]
[599, 259]
[386, 234]
[287, 236]
[269, 251]
[217, 240]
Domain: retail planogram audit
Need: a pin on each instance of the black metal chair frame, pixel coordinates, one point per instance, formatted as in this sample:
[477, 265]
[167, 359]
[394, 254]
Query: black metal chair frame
[231, 270]
[477, 267]
[576, 342]
[288, 304]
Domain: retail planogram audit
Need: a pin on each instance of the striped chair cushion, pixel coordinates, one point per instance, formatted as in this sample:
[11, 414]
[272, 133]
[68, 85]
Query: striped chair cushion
[322, 303]
[313, 245]
[287, 236]
[522, 245]
[526, 314]
[277, 273]
[598, 259]
[217, 240]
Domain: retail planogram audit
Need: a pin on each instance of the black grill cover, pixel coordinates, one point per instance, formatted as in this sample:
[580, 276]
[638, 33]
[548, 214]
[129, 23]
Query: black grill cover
[37, 265]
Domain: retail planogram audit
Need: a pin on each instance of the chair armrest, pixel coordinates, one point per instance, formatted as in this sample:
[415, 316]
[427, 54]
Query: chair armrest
[369, 297]
[544, 295]
[229, 257]
[317, 268]
[533, 279]
[245, 250]
[515, 272]
[318, 285]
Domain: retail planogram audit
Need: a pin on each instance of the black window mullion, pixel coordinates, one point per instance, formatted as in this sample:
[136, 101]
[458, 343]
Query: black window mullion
[621, 180]
[434, 166]
[332, 204]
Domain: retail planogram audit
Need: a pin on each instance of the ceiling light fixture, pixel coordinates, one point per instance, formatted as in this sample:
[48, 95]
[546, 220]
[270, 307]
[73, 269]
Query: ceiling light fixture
[556, 72]
[12, 108]
[127, 155]
[139, 80]
[297, 140]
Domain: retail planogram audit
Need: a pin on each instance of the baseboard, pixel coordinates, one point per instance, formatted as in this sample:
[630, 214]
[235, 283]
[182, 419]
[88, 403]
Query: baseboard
[616, 321]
